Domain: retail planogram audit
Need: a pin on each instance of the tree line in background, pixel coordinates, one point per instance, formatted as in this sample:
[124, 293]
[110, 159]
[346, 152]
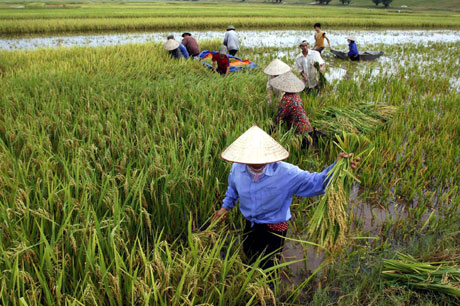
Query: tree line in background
[386, 3]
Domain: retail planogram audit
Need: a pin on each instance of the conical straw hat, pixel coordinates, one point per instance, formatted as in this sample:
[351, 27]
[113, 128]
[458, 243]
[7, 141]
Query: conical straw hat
[277, 67]
[255, 147]
[288, 82]
[171, 44]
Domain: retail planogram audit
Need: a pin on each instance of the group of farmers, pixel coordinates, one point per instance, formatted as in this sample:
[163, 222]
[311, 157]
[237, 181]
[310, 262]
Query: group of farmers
[259, 179]
[285, 86]
[189, 48]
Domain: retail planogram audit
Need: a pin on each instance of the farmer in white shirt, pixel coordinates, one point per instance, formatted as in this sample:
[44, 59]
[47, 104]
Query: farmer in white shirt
[231, 40]
[305, 64]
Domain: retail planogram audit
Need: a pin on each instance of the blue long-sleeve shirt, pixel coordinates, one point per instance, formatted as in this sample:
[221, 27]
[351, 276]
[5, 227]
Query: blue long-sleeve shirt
[268, 200]
[184, 51]
[353, 49]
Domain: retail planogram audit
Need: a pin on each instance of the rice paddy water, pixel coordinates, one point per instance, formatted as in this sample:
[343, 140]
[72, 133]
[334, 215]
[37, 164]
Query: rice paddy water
[248, 38]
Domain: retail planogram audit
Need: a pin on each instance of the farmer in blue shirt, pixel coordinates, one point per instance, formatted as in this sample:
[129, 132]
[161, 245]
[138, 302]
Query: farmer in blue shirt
[175, 48]
[265, 186]
[353, 53]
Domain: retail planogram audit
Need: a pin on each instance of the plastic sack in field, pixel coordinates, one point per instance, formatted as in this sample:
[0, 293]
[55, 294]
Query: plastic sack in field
[236, 63]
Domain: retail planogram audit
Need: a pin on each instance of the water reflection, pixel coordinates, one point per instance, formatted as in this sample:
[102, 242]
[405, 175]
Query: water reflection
[333, 74]
[249, 39]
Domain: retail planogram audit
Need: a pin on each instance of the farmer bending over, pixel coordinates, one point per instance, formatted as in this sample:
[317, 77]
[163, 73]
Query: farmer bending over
[222, 60]
[353, 53]
[291, 109]
[265, 186]
[190, 44]
[320, 36]
[305, 64]
[175, 48]
[274, 69]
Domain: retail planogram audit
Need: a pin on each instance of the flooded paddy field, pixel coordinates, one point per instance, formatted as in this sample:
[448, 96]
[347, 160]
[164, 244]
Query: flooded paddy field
[110, 170]
[248, 39]
[279, 43]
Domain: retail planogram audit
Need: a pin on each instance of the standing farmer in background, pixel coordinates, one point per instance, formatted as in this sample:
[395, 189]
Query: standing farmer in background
[190, 44]
[231, 40]
[265, 186]
[305, 65]
[175, 48]
[222, 60]
[291, 109]
[320, 36]
[274, 69]
[353, 53]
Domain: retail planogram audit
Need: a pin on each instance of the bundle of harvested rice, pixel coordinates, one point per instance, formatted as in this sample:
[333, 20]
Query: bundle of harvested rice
[322, 79]
[328, 225]
[356, 118]
[440, 276]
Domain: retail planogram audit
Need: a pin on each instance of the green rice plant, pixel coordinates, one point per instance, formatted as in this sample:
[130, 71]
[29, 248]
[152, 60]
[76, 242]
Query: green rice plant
[438, 276]
[102, 149]
[97, 17]
[35, 5]
[204, 269]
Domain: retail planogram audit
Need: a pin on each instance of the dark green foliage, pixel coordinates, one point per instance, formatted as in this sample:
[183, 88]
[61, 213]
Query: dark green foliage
[386, 3]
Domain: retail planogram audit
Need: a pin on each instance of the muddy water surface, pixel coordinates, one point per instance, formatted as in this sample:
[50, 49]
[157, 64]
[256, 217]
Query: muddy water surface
[368, 221]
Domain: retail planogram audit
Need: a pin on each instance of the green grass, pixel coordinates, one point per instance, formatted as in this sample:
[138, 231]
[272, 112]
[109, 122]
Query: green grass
[101, 149]
[411, 4]
[179, 15]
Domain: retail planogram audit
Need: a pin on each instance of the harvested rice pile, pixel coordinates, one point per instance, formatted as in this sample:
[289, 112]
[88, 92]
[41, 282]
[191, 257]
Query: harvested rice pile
[440, 276]
[356, 118]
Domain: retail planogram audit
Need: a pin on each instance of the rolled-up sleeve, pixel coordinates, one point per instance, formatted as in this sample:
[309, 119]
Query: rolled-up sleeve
[307, 184]
[231, 196]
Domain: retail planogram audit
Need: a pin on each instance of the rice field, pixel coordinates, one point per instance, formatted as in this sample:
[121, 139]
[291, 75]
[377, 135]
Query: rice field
[159, 16]
[110, 173]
